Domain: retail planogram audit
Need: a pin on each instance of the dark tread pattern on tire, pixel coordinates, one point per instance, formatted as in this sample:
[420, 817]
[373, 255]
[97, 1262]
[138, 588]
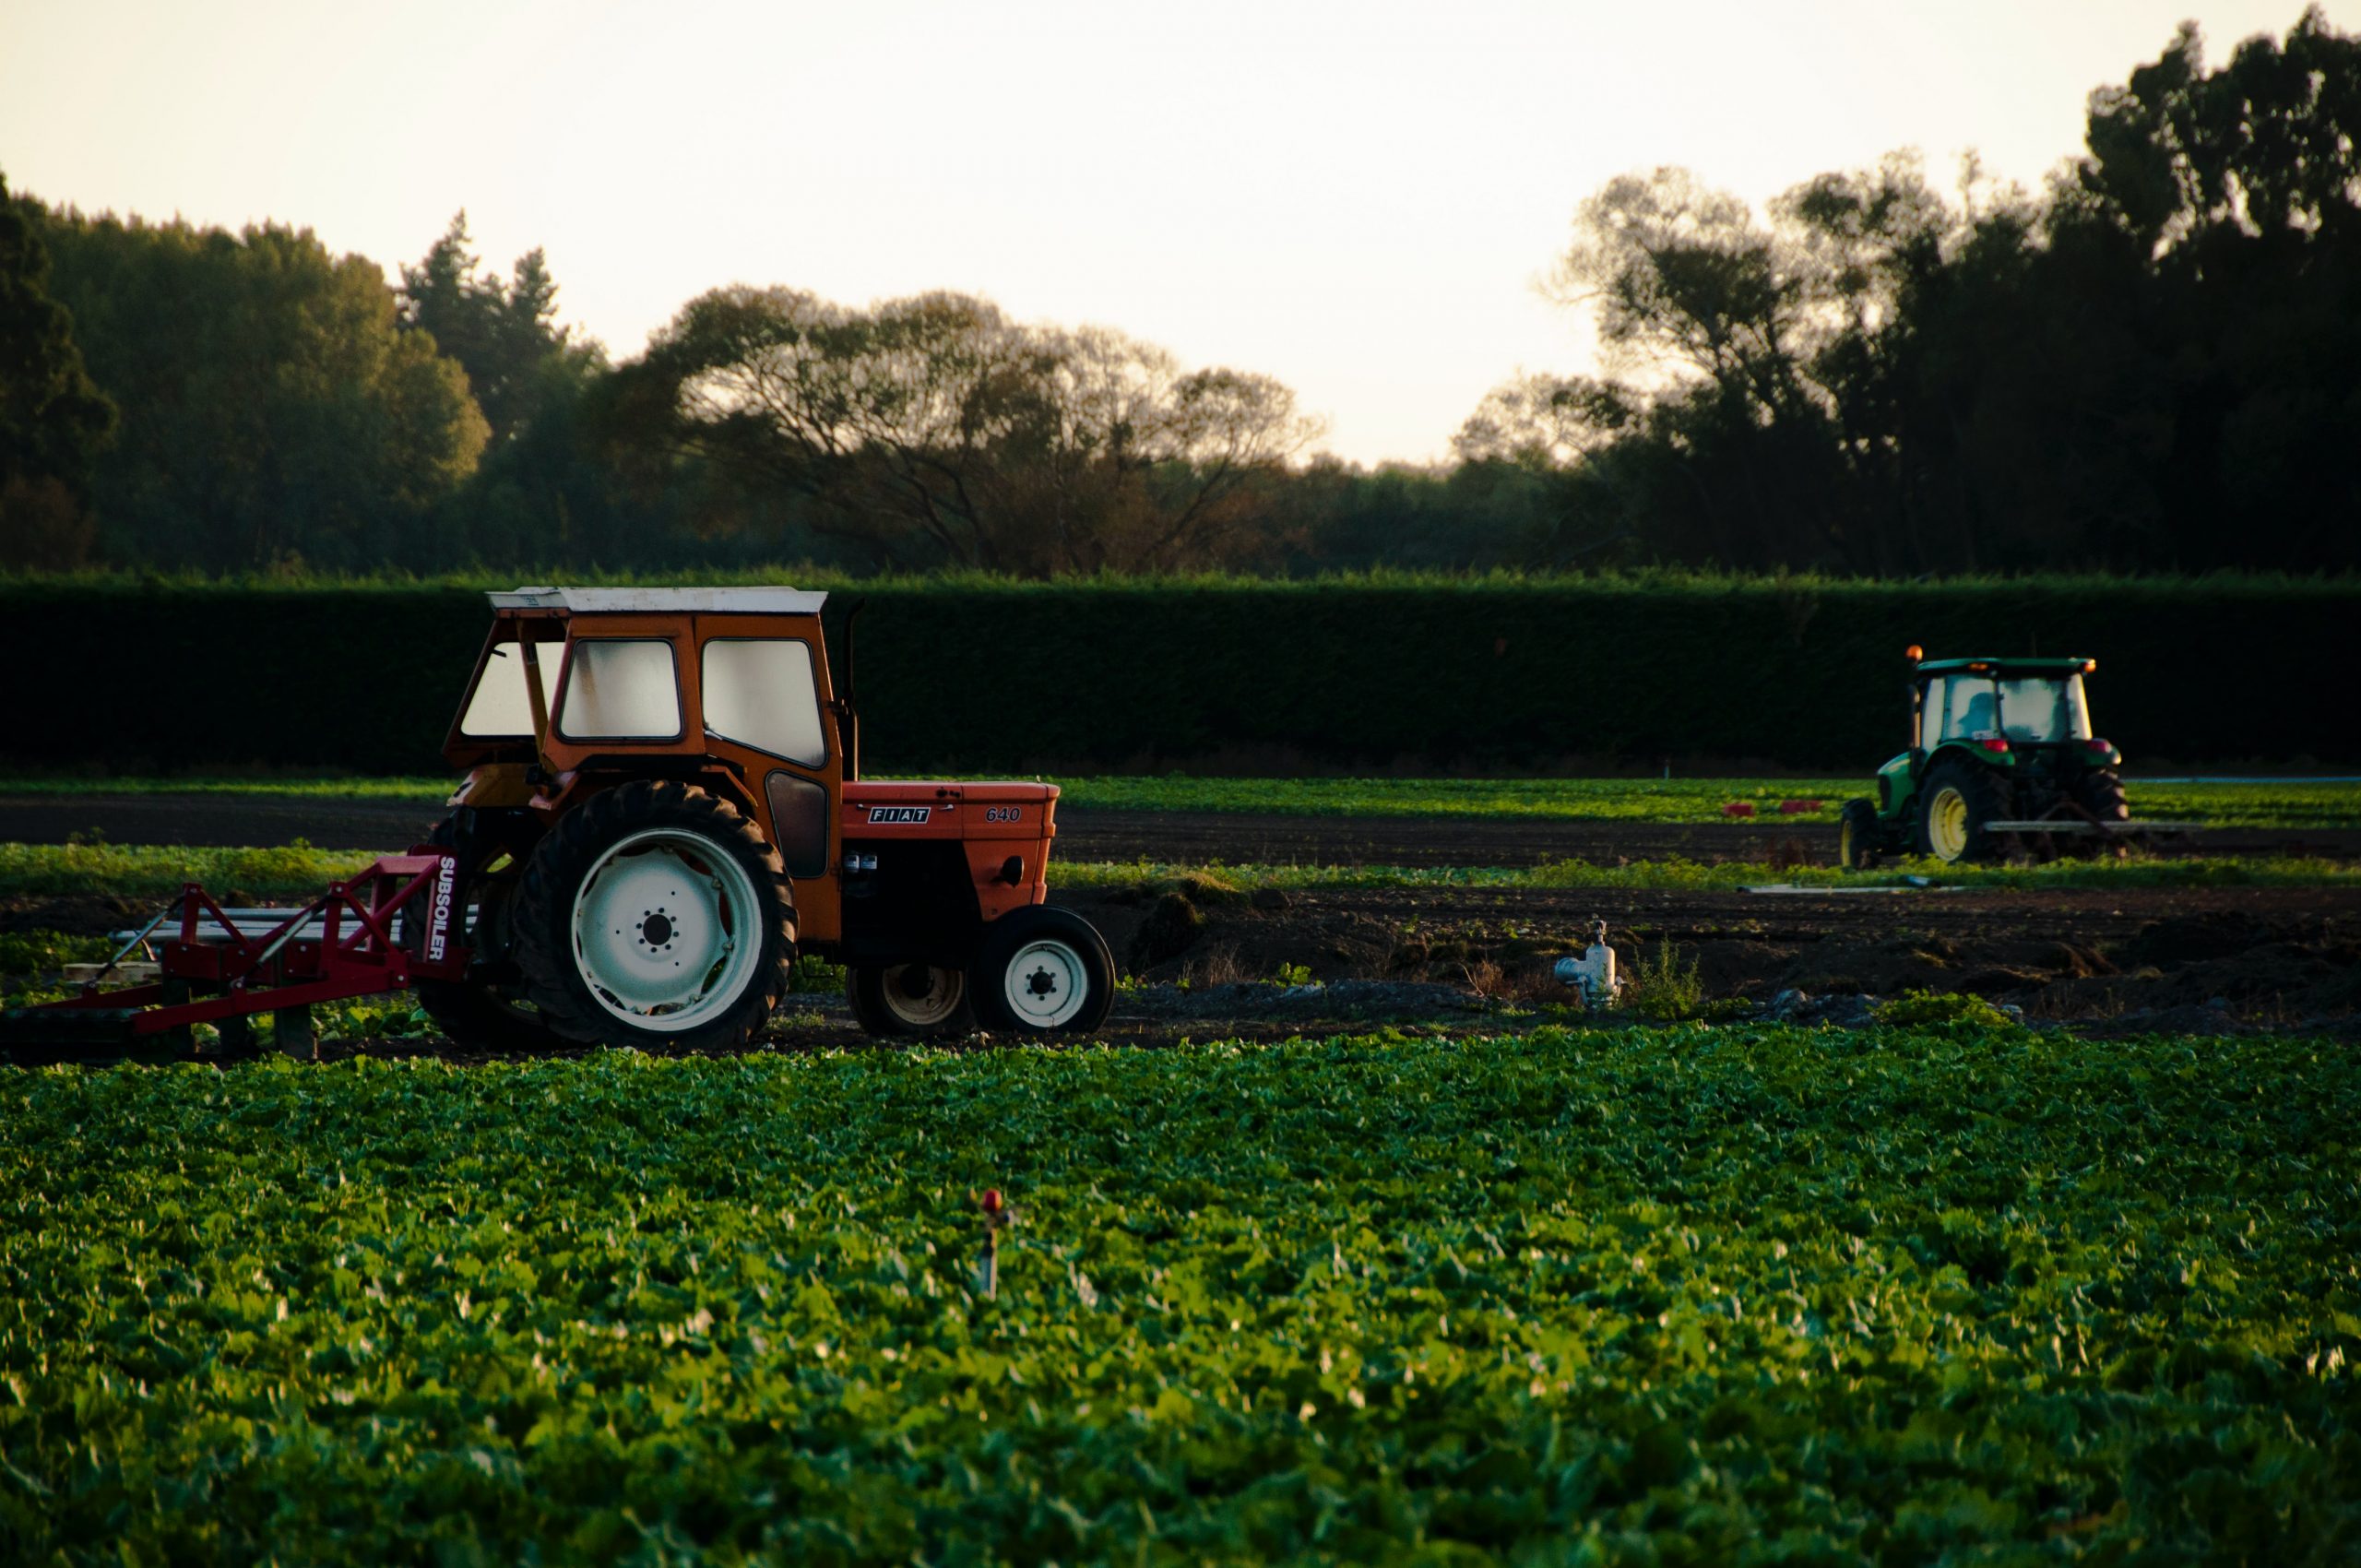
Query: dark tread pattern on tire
[473, 1015]
[544, 942]
[1861, 817]
[2101, 793]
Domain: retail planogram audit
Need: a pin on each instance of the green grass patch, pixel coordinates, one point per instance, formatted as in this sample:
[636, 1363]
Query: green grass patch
[157, 871]
[1628, 1295]
[1677, 874]
[2279, 803]
[147, 872]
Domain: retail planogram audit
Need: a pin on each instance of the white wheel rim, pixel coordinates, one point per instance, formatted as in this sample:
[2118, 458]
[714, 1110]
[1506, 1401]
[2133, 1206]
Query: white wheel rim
[666, 933]
[1046, 984]
[920, 996]
[1947, 825]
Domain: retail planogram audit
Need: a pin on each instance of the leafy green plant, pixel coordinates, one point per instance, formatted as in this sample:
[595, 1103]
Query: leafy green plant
[23, 953]
[1268, 1302]
[1663, 987]
[1293, 975]
[814, 973]
[1923, 1009]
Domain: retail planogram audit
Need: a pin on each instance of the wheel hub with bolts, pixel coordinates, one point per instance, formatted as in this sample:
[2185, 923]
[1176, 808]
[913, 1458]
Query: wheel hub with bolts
[1047, 983]
[923, 996]
[666, 931]
[1947, 823]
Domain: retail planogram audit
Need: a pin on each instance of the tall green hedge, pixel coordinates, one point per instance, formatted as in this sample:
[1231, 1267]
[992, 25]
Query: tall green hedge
[977, 677]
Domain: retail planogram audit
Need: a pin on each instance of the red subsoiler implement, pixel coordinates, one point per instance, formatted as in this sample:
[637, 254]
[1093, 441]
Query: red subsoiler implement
[378, 932]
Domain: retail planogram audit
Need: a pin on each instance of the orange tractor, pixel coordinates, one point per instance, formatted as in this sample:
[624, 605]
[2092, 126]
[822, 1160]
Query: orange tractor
[662, 807]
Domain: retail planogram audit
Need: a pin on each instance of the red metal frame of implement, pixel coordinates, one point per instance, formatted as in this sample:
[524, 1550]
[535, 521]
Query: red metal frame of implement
[341, 945]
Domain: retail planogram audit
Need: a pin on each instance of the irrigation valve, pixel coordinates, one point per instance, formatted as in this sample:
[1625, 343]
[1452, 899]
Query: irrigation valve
[1593, 974]
[999, 1215]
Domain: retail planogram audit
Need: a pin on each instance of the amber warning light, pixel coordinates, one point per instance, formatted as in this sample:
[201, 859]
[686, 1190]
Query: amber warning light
[1914, 653]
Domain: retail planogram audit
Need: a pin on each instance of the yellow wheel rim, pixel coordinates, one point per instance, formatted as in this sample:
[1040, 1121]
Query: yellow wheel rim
[1844, 853]
[1947, 823]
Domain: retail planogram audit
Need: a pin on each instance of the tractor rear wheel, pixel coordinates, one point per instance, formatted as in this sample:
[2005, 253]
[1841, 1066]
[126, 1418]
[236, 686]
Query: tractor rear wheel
[1042, 970]
[1856, 835]
[2101, 793]
[1955, 803]
[910, 999]
[655, 915]
[487, 1011]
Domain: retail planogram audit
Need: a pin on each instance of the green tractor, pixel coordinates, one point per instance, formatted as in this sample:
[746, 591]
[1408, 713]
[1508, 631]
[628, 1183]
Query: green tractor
[2002, 761]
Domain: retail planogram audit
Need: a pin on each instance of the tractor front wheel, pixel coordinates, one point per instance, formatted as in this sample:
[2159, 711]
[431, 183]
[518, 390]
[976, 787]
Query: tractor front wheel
[910, 999]
[1955, 803]
[1042, 970]
[1857, 839]
[655, 915]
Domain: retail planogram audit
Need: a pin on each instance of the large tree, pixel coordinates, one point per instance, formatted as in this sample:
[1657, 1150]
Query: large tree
[2150, 368]
[934, 431]
[271, 407]
[53, 421]
[504, 332]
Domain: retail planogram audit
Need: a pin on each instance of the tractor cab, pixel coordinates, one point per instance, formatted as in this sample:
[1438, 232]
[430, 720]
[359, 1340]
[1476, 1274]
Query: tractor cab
[2001, 752]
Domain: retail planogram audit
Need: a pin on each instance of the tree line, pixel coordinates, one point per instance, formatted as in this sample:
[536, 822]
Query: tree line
[2147, 366]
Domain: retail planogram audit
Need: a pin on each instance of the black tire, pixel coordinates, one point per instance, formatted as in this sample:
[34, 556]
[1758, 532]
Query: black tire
[487, 1011]
[702, 837]
[1858, 838]
[901, 1000]
[2101, 793]
[1963, 837]
[1053, 954]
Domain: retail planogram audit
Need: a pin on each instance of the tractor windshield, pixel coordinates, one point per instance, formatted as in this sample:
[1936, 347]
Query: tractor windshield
[2044, 709]
[2029, 710]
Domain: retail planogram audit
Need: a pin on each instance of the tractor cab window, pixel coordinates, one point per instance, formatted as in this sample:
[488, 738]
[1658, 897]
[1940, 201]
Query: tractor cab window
[1931, 712]
[500, 708]
[621, 689]
[1958, 707]
[2045, 709]
[760, 691]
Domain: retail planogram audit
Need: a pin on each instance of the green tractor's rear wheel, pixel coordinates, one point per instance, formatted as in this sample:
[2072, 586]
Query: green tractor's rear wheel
[2100, 792]
[1955, 803]
[1857, 839]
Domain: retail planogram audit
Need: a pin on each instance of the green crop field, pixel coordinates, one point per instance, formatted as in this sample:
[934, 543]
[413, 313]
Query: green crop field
[2274, 803]
[1701, 1296]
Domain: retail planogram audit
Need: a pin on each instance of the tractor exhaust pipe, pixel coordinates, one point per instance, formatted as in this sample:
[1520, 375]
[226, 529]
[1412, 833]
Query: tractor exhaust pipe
[847, 715]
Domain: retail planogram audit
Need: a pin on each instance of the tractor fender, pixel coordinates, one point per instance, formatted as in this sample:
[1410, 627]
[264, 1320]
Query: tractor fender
[575, 785]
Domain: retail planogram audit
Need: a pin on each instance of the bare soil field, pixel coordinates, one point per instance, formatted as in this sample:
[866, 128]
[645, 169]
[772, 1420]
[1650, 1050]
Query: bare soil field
[1206, 960]
[1217, 963]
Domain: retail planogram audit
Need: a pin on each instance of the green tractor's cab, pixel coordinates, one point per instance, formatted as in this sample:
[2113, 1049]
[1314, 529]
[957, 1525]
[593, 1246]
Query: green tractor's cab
[2001, 750]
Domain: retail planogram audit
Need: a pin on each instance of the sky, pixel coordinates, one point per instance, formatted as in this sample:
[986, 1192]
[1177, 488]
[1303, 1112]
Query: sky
[1356, 198]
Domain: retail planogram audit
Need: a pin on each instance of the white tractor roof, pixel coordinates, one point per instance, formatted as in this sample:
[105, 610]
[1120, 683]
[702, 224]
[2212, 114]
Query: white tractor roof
[668, 601]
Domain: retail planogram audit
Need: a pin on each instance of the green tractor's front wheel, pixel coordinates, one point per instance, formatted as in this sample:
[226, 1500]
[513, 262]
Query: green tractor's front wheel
[1955, 803]
[1857, 840]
